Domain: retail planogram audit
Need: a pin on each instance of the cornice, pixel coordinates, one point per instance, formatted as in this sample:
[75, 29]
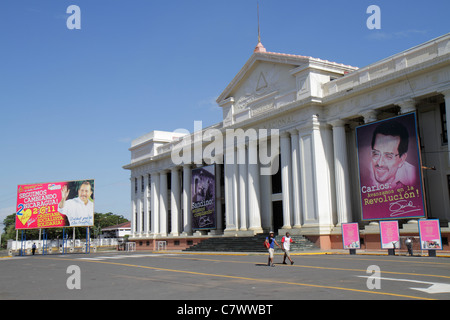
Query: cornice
[395, 76]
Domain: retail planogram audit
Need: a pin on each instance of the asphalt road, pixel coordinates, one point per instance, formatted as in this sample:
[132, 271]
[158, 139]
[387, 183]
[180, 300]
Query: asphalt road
[222, 278]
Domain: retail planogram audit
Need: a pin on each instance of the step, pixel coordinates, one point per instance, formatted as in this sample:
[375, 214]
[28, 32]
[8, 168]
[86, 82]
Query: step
[248, 244]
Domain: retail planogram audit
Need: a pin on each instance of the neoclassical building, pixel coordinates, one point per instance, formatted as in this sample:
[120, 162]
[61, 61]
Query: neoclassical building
[304, 112]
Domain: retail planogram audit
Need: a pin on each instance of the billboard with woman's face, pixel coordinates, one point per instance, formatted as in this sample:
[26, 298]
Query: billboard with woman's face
[390, 169]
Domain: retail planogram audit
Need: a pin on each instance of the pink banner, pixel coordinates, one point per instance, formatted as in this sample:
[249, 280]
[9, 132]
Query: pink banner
[390, 169]
[350, 236]
[390, 237]
[430, 234]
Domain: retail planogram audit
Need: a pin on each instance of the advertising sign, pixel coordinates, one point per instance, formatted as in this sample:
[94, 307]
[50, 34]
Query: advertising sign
[203, 193]
[390, 169]
[390, 236]
[55, 204]
[430, 234]
[350, 236]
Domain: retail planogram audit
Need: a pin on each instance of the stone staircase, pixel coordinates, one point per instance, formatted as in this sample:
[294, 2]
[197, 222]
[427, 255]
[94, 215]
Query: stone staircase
[248, 244]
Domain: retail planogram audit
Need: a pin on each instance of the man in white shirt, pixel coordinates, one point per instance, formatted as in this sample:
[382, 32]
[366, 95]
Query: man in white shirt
[79, 211]
[286, 246]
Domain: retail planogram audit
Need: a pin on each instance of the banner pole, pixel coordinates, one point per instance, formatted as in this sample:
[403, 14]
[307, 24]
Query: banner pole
[21, 243]
[45, 245]
[88, 244]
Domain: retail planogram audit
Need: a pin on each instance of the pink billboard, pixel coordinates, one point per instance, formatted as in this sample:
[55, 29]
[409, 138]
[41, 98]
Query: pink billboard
[430, 234]
[350, 236]
[390, 169]
[55, 204]
[390, 236]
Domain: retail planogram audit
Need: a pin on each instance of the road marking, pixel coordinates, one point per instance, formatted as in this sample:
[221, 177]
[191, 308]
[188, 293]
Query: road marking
[435, 287]
[101, 258]
[277, 282]
[314, 267]
[408, 260]
[12, 258]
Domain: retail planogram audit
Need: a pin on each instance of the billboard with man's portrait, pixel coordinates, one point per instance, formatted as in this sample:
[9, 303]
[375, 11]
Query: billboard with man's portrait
[390, 169]
[55, 204]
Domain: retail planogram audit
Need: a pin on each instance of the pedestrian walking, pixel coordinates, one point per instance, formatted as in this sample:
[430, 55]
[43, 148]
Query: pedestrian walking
[286, 246]
[409, 245]
[270, 242]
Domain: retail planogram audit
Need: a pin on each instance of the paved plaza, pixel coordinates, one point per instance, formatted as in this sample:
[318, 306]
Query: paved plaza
[185, 277]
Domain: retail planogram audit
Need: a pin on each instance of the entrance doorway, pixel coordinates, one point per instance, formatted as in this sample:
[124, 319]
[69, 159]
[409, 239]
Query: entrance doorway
[277, 215]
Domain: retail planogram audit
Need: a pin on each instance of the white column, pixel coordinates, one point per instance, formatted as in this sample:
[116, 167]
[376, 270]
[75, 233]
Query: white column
[146, 206]
[243, 182]
[133, 207]
[140, 205]
[254, 201]
[187, 214]
[155, 203]
[341, 173]
[285, 149]
[163, 202]
[296, 194]
[322, 143]
[236, 190]
[230, 188]
[175, 201]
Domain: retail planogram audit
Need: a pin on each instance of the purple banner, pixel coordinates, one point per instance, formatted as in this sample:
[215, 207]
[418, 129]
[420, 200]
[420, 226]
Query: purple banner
[203, 192]
[390, 169]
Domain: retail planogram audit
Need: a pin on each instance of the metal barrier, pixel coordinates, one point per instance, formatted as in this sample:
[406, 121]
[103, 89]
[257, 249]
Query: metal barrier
[161, 245]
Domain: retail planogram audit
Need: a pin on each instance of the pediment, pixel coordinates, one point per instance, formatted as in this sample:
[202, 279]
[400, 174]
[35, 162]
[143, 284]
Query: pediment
[269, 81]
[263, 77]
[248, 70]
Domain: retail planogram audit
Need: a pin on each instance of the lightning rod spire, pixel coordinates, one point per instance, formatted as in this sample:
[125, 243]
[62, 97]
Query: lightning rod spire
[259, 47]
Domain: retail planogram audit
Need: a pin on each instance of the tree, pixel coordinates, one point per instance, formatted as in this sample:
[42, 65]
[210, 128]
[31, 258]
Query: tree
[103, 220]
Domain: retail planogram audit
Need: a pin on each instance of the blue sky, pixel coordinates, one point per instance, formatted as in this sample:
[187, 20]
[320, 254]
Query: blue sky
[72, 100]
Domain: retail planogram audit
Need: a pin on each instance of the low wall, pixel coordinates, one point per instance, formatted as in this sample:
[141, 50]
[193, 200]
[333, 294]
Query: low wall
[166, 243]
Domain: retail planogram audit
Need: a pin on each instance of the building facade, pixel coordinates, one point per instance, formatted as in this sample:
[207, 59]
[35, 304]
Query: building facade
[285, 153]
